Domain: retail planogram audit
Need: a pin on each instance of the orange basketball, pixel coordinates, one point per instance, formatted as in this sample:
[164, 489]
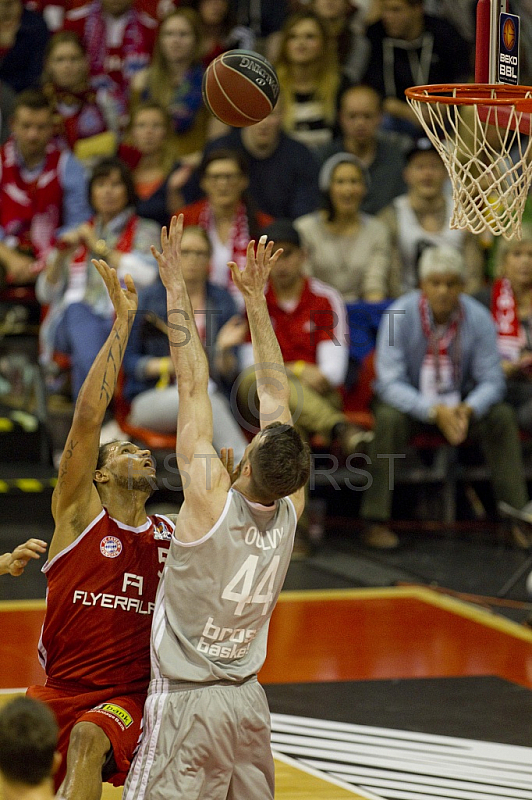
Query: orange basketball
[508, 34]
[240, 88]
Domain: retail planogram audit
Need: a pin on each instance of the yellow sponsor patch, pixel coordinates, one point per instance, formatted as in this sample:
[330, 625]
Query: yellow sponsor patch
[119, 712]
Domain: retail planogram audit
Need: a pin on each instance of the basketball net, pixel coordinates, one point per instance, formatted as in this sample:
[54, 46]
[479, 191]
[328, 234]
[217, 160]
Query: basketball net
[486, 147]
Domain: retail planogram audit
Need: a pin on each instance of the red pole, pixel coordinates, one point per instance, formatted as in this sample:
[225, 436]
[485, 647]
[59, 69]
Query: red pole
[482, 55]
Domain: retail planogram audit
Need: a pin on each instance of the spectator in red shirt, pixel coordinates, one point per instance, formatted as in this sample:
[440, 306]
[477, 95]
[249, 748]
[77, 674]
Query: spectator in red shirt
[119, 42]
[82, 114]
[221, 31]
[310, 321]
[42, 190]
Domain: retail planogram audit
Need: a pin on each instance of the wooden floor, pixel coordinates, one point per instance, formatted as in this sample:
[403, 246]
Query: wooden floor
[334, 635]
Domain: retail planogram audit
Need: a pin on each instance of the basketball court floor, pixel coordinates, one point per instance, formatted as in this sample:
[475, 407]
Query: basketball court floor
[393, 676]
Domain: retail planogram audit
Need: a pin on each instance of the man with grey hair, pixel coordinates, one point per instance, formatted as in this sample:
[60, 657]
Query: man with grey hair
[437, 364]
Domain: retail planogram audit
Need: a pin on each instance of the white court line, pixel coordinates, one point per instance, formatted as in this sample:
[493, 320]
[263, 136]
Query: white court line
[324, 776]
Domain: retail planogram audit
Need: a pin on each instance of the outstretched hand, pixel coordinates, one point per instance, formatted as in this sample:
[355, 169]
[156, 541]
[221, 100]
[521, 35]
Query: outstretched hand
[252, 280]
[123, 300]
[169, 259]
[15, 562]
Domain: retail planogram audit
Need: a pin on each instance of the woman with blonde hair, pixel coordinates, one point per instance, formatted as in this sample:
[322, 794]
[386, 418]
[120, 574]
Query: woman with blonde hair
[173, 79]
[309, 78]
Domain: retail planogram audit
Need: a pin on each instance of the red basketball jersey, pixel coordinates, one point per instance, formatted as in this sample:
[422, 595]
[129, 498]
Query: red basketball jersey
[100, 600]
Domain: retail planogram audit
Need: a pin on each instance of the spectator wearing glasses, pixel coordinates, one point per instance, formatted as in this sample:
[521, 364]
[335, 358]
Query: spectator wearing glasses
[226, 213]
[283, 173]
[150, 376]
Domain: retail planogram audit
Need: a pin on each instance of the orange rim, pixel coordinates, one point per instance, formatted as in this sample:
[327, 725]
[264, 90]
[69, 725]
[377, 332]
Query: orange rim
[471, 94]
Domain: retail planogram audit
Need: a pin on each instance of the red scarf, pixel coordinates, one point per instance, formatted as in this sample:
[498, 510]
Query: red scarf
[510, 335]
[115, 65]
[238, 239]
[81, 266]
[86, 118]
[30, 212]
[124, 243]
[440, 344]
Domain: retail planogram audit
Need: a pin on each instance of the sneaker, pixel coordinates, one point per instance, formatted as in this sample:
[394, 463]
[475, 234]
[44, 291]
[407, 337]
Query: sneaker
[380, 537]
[352, 438]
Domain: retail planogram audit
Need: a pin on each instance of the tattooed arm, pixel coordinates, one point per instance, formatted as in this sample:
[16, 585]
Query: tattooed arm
[75, 501]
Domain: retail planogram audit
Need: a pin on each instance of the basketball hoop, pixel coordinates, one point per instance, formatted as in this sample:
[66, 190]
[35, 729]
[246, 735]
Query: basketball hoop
[483, 133]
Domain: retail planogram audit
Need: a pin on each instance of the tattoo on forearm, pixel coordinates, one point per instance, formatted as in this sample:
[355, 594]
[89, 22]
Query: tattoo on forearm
[112, 368]
[67, 455]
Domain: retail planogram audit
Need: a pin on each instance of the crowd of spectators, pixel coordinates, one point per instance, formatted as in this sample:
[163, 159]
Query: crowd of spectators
[105, 136]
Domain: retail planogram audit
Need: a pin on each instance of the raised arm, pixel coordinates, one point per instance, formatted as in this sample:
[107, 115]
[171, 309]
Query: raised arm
[205, 479]
[186, 350]
[75, 501]
[272, 384]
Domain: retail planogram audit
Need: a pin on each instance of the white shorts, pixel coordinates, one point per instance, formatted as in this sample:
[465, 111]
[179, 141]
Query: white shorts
[204, 743]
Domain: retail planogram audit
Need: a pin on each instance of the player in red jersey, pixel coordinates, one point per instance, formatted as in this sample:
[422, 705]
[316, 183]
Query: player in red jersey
[104, 563]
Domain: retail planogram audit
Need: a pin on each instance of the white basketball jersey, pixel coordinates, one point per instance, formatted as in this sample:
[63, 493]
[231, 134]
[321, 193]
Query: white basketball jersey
[217, 594]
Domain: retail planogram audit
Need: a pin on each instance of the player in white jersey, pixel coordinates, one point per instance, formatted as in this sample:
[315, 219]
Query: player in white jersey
[206, 720]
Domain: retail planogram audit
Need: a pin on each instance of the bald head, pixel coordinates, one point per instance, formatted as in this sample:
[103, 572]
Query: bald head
[360, 115]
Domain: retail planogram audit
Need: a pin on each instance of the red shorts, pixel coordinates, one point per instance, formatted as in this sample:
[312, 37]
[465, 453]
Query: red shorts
[119, 716]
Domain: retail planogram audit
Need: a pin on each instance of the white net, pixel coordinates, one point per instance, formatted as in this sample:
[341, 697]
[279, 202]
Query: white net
[487, 151]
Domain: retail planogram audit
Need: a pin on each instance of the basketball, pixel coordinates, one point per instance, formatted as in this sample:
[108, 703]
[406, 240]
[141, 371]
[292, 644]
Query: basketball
[508, 34]
[240, 88]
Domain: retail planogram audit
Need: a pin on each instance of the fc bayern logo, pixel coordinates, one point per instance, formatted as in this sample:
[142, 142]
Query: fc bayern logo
[110, 547]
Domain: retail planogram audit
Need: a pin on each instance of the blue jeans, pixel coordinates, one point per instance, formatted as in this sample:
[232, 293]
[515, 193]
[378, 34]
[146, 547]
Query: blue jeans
[81, 334]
